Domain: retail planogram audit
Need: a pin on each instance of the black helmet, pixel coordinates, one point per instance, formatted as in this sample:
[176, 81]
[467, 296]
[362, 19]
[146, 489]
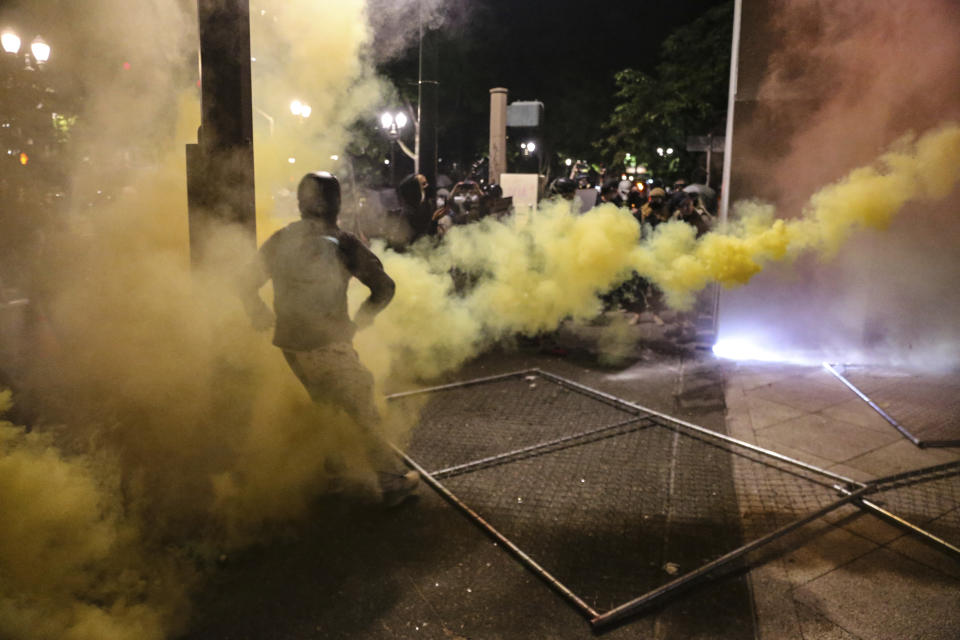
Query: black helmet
[564, 187]
[319, 196]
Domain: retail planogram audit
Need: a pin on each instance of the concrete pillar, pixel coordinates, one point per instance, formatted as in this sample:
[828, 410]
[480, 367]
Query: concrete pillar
[220, 180]
[498, 133]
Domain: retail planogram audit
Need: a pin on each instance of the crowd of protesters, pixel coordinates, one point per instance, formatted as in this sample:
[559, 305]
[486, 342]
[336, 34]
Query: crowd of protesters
[651, 202]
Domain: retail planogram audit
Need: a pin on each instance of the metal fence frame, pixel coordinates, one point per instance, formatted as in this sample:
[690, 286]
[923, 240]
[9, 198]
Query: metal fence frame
[849, 492]
[917, 476]
[906, 433]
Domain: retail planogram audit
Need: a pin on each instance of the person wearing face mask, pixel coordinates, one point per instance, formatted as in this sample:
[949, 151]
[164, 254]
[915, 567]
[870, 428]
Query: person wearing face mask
[683, 207]
[415, 208]
[311, 262]
[655, 210]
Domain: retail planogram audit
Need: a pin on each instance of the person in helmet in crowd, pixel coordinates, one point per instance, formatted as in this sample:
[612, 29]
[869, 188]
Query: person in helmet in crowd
[609, 193]
[655, 210]
[311, 262]
[493, 190]
[566, 188]
[683, 206]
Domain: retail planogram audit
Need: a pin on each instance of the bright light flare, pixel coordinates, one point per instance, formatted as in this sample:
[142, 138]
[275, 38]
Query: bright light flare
[744, 349]
[401, 120]
[40, 50]
[10, 42]
[296, 107]
[386, 120]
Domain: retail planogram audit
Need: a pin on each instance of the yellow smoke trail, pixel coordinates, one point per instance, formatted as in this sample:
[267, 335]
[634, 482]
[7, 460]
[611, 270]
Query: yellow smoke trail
[533, 275]
[868, 197]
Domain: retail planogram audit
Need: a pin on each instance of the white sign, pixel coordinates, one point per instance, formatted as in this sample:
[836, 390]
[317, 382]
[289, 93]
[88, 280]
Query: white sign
[523, 188]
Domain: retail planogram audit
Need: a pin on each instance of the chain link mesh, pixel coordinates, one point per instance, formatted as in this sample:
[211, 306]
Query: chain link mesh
[617, 512]
[928, 498]
[464, 424]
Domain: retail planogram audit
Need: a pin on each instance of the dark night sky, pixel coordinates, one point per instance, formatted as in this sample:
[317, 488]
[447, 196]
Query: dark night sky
[562, 52]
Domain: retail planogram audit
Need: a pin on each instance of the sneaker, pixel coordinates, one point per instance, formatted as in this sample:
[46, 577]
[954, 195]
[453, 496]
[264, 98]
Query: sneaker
[399, 489]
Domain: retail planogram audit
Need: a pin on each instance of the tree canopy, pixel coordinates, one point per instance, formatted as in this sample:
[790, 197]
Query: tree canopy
[686, 95]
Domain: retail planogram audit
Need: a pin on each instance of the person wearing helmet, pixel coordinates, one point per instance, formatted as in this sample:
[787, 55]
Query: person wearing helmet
[311, 262]
[493, 190]
[683, 206]
[610, 193]
[655, 210]
[566, 188]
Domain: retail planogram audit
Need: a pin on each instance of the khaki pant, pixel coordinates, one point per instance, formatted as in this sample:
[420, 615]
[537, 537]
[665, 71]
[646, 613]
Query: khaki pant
[333, 374]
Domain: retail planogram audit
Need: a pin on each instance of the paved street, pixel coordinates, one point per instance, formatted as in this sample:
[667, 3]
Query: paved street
[426, 571]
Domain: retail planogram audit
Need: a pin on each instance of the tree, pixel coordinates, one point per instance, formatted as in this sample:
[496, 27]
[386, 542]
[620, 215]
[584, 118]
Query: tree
[686, 95]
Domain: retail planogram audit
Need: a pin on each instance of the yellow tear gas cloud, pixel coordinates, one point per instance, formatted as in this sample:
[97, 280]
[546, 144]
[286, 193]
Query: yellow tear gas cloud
[171, 431]
[867, 197]
[315, 53]
[167, 394]
[61, 520]
[533, 275]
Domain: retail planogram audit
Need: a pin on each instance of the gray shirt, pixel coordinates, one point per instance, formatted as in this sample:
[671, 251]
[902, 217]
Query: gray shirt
[311, 263]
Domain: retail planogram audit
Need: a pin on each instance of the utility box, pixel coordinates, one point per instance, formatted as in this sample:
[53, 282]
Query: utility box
[525, 114]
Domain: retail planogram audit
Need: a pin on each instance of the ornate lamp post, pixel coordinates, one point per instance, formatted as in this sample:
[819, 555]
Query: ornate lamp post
[392, 124]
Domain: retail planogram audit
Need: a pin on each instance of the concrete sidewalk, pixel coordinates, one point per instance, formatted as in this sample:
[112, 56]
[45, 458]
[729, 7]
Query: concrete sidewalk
[427, 572]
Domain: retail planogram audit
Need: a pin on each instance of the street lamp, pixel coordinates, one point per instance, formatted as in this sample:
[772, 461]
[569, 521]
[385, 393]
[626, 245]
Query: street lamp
[392, 123]
[301, 109]
[40, 50]
[10, 42]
